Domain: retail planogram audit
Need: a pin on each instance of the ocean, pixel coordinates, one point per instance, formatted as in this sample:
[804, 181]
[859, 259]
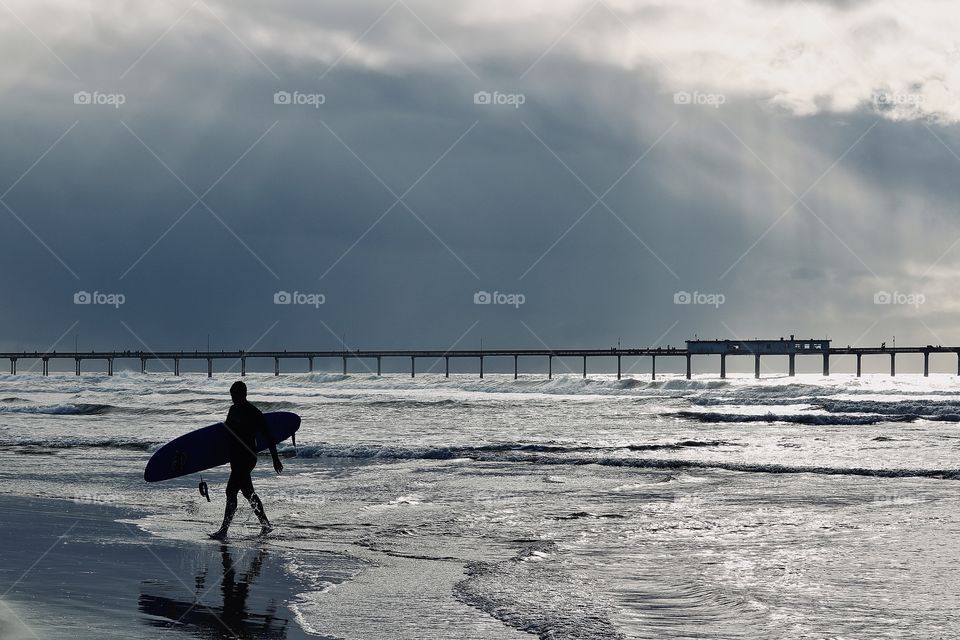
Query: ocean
[801, 507]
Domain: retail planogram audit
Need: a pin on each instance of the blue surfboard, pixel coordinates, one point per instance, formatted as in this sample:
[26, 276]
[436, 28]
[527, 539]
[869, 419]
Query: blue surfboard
[209, 447]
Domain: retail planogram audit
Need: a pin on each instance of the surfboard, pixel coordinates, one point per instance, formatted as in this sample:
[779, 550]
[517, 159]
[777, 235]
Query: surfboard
[209, 447]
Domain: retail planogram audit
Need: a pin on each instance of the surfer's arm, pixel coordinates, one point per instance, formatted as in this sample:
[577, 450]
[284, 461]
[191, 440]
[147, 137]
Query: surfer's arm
[277, 465]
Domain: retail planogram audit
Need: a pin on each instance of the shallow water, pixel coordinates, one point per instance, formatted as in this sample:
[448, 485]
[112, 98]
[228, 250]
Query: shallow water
[784, 508]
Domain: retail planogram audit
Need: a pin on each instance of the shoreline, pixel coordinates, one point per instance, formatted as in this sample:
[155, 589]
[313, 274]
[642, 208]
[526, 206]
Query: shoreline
[76, 568]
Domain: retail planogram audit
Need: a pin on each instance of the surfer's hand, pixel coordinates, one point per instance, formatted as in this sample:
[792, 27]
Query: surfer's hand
[278, 466]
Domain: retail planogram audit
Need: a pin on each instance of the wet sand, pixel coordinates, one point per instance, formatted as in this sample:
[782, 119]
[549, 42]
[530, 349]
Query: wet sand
[70, 570]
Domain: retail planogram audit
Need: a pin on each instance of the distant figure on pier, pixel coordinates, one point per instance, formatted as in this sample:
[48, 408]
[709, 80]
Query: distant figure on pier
[243, 422]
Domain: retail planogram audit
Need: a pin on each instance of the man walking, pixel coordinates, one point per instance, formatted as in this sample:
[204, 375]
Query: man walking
[243, 423]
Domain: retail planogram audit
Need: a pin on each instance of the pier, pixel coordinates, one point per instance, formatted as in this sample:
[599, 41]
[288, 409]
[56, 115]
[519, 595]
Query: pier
[790, 347]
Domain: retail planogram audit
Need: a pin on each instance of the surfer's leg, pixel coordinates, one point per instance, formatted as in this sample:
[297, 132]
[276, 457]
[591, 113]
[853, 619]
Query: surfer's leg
[255, 503]
[233, 487]
[261, 514]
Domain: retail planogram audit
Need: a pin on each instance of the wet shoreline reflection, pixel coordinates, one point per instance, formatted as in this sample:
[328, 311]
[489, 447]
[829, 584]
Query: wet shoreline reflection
[236, 615]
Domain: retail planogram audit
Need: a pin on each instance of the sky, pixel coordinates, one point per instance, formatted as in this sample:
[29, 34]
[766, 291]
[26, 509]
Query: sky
[412, 174]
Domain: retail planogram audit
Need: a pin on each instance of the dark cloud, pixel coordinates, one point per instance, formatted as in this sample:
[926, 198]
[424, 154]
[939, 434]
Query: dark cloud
[704, 211]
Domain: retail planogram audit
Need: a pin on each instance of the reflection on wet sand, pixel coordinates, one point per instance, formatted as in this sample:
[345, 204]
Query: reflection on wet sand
[231, 619]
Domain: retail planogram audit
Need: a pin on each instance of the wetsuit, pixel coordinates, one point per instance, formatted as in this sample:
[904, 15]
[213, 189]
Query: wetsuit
[244, 421]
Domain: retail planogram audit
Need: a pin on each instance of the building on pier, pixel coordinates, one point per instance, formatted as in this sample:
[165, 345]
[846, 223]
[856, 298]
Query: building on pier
[782, 346]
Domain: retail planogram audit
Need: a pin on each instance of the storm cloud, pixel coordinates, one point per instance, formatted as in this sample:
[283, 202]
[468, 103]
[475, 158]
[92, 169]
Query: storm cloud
[795, 160]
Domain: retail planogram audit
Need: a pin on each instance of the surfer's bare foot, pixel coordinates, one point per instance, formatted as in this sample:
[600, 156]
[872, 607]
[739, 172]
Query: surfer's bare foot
[218, 535]
[265, 529]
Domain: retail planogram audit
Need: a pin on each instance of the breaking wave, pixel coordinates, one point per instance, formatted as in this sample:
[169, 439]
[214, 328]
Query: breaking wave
[70, 443]
[546, 455]
[796, 418]
[65, 409]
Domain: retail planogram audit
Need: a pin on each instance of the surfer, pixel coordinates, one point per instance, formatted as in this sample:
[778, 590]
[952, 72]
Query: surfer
[243, 423]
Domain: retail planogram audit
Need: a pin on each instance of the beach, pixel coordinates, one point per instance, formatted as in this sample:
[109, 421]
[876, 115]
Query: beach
[78, 571]
[568, 508]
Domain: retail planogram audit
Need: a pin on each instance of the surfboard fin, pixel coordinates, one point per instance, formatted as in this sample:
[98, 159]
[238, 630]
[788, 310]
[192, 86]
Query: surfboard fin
[204, 491]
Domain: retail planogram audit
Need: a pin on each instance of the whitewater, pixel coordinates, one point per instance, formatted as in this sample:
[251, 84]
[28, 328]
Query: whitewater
[788, 507]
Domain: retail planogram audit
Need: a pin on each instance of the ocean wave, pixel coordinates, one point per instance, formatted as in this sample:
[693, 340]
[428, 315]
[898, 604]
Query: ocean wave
[70, 443]
[64, 409]
[89, 409]
[536, 455]
[269, 405]
[415, 404]
[680, 445]
[795, 418]
[473, 451]
[926, 408]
